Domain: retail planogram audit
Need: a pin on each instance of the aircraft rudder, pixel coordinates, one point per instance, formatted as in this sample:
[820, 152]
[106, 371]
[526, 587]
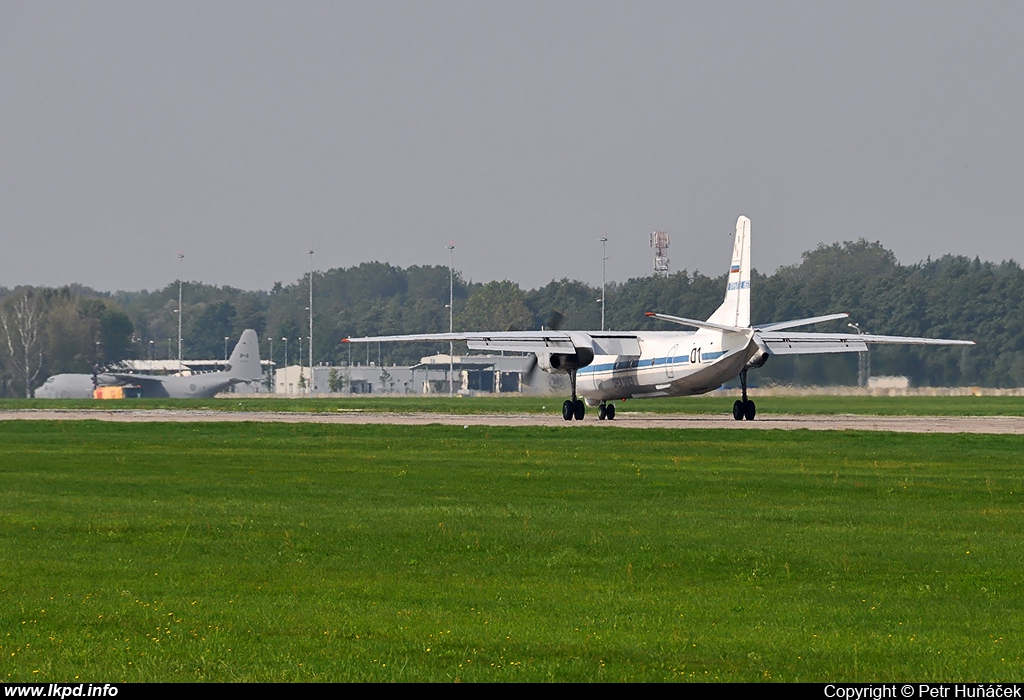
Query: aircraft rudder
[743, 243]
[735, 308]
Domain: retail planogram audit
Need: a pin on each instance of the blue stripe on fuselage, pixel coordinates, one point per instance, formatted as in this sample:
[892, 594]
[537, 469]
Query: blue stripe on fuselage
[626, 365]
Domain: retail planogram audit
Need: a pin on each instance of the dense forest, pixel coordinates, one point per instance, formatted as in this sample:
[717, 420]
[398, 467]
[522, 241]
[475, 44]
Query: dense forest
[47, 331]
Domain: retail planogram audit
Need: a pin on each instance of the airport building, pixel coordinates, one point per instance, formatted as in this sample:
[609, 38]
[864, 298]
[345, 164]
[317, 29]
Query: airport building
[470, 374]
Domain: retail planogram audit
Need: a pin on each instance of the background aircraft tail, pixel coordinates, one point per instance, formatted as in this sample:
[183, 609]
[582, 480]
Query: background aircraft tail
[244, 363]
[735, 310]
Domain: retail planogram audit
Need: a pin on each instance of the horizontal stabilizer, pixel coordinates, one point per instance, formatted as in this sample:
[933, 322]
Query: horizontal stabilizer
[810, 344]
[695, 323]
[800, 322]
[815, 343]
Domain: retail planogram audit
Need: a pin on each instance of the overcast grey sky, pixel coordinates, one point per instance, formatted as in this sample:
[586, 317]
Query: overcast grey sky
[242, 133]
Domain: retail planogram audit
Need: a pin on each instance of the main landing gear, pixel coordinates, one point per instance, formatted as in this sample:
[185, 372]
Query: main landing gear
[574, 407]
[744, 408]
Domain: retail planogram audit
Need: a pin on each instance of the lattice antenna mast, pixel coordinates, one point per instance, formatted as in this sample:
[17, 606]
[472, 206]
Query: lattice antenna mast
[659, 241]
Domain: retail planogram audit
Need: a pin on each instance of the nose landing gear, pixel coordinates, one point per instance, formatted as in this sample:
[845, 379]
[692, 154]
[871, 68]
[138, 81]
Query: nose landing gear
[744, 408]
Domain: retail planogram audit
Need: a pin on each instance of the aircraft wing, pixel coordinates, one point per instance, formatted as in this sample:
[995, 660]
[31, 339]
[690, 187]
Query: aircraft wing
[154, 381]
[780, 343]
[140, 379]
[602, 342]
[509, 341]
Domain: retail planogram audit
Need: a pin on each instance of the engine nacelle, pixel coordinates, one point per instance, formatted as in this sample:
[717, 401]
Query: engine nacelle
[563, 362]
[757, 360]
[760, 356]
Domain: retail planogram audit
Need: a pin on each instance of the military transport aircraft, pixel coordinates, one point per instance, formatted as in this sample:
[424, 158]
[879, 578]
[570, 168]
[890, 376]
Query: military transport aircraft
[608, 365]
[243, 366]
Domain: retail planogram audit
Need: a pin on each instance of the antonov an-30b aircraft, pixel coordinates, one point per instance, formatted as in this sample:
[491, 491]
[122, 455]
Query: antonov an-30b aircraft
[608, 365]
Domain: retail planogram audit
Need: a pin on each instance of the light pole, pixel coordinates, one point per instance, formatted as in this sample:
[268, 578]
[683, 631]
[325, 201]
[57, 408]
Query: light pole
[226, 349]
[451, 317]
[863, 360]
[310, 391]
[181, 267]
[151, 350]
[285, 339]
[300, 358]
[270, 367]
[177, 312]
[604, 262]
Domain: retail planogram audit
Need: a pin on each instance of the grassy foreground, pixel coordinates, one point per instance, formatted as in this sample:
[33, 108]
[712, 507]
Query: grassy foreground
[815, 405]
[247, 552]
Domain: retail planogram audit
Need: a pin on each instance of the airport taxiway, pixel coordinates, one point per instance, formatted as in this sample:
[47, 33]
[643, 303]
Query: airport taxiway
[996, 425]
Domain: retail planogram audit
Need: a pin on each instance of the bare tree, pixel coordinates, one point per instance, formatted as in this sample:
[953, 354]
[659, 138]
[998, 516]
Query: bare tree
[22, 323]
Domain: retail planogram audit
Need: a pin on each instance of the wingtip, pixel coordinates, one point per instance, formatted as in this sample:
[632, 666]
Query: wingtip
[649, 313]
[345, 340]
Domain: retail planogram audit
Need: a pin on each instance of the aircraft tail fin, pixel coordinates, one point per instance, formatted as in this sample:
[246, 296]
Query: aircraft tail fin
[735, 310]
[244, 363]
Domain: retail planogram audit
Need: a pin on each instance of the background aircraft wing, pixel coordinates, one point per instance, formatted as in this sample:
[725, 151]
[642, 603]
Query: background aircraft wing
[781, 343]
[128, 377]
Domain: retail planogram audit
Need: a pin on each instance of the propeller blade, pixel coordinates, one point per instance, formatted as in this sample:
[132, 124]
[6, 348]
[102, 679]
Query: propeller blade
[530, 372]
[555, 320]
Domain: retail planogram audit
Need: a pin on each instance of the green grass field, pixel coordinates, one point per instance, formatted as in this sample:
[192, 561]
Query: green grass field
[817, 405]
[271, 552]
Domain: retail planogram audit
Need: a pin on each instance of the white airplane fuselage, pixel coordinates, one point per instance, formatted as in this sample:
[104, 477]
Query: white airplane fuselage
[608, 365]
[671, 363]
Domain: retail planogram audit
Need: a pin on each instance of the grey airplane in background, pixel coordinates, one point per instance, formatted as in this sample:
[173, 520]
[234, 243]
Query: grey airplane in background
[242, 366]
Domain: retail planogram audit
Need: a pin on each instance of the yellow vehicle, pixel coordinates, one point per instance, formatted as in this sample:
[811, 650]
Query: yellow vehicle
[117, 392]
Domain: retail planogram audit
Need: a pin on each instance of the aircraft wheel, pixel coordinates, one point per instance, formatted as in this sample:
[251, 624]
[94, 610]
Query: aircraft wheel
[602, 412]
[737, 410]
[580, 410]
[610, 411]
[567, 410]
[749, 410]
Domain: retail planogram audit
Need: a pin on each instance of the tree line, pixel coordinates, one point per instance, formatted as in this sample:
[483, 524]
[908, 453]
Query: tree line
[47, 331]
